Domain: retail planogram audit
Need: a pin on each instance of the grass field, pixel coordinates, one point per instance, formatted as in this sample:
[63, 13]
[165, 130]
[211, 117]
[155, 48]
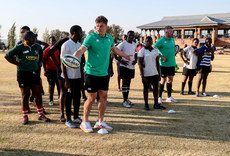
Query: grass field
[201, 125]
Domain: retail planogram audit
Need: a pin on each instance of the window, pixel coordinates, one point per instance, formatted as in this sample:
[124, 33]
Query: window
[223, 33]
[177, 34]
[189, 33]
[204, 33]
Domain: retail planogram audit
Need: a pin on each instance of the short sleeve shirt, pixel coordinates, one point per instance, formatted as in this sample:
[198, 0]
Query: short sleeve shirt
[166, 47]
[150, 68]
[206, 56]
[191, 58]
[128, 49]
[50, 65]
[98, 51]
[27, 56]
[69, 47]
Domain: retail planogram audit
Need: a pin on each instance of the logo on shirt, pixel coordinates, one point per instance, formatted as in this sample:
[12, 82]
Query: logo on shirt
[36, 52]
[165, 42]
[109, 40]
[25, 52]
[97, 40]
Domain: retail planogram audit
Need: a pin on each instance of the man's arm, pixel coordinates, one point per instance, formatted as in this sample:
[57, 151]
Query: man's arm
[119, 59]
[80, 51]
[43, 43]
[67, 83]
[181, 54]
[158, 67]
[120, 53]
[12, 60]
[51, 52]
[161, 56]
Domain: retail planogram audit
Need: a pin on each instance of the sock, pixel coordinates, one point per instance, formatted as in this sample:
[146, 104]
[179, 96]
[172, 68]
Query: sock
[169, 89]
[182, 86]
[51, 98]
[197, 91]
[125, 96]
[25, 112]
[146, 102]
[190, 86]
[40, 110]
[161, 90]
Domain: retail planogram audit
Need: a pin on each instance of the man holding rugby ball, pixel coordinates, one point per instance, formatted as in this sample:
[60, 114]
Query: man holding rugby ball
[98, 46]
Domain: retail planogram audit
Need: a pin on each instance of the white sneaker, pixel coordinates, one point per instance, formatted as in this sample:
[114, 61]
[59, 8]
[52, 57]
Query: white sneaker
[159, 100]
[125, 104]
[129, 102]
[86, 127]
[51, 103]
[171, 100]
[103, 125]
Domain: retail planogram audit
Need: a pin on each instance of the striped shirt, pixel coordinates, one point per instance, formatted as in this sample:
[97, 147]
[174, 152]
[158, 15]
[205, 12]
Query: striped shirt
[206, 55]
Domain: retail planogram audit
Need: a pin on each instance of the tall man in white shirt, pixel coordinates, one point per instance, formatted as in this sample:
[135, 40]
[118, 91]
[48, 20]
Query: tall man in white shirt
[72, 77]
[127, 71]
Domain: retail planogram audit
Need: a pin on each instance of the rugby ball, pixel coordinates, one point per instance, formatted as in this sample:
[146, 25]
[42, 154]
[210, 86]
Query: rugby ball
[177, 49]
[71, 61]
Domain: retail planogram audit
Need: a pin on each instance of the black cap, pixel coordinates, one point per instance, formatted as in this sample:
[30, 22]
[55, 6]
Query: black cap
[28, 34]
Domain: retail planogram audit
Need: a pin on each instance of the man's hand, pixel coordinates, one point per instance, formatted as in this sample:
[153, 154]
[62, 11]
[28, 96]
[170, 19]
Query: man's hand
[163, 58]
[143, 79]
[127, 57]
[186, 62]
[124, 62]
[134, 62]
[45, 73]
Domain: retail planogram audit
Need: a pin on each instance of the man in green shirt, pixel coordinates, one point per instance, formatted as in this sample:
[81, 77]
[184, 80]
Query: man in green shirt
[166, 46]
[98, 46]
[29, 56]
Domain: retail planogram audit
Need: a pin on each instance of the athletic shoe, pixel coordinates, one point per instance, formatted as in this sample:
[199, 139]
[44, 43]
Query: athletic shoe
[51, 103]
[173, 91]
[147, 107]
[205, 94]
[160, 100]
[182, 93]
[44, 112]
[78, 120]
[25, 120]
[70, 124]
[129, 102]
[197, 94]
[159, 107]
[171, 100]
[86, 127]
[103, 125]
[191, 93]
[125, 104]
[62, 119]
[44, 118]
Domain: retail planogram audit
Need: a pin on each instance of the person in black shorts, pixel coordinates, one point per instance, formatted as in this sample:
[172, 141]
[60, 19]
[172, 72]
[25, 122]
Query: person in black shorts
[50, 71]
[29, 56]
[190, 65]
[150, 71]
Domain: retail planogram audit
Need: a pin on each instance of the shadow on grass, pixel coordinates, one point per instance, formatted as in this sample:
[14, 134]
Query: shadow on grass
[15, 152]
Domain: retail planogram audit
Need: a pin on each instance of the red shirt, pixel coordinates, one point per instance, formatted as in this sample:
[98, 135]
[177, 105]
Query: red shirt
[49, 62]
[139, 48]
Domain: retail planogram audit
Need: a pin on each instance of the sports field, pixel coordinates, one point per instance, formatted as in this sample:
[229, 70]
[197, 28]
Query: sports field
[201, 125]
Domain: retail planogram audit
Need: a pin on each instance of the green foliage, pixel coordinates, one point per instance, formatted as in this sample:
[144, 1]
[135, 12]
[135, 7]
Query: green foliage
[56, 33]
[11, 37]
[116, 31]
[35, 30]
[46, 36]
[64, 34]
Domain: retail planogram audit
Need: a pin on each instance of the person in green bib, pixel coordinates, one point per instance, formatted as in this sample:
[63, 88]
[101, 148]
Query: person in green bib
[29, 54]
[166, 46]
[98, 46]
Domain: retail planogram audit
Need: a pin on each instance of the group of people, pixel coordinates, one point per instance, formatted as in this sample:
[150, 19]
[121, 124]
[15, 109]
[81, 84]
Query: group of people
[156, 63]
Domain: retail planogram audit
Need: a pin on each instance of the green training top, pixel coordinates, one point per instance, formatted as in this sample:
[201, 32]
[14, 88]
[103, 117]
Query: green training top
[27, 56]
[98, 51]
[166, 48]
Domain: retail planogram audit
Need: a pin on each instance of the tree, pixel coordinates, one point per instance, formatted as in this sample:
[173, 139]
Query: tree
[56, 33]
[91, 31]
[64, 34]
[137, 36]
[0, 34]
[46, 36]
[116, 31]
[35, 30]
[11, 37]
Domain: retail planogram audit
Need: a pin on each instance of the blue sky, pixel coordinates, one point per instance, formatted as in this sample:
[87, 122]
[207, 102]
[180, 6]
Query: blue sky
[62, 14]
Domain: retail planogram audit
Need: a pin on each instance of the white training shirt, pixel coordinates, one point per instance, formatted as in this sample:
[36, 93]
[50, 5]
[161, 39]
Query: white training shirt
[69, 47]
[128, 49]
[150, 68]
[192, 58]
